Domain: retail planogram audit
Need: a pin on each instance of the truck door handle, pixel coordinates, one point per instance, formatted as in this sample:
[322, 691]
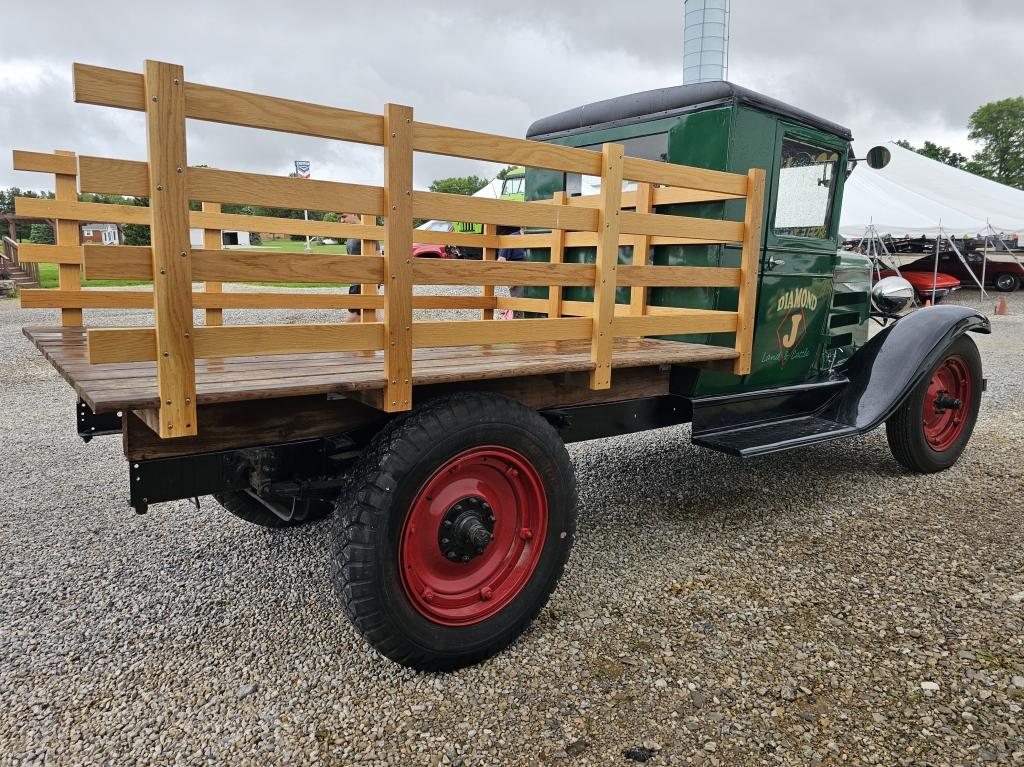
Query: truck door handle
[773, 262]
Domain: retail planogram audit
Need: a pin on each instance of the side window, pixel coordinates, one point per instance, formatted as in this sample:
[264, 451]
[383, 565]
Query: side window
[653, 147]
[807, 185]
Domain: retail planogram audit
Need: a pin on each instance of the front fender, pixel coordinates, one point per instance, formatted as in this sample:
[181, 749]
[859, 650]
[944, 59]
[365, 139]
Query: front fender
[888, 367]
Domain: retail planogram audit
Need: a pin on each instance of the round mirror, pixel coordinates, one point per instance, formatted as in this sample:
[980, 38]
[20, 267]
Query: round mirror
[892, 295]
[878, 157]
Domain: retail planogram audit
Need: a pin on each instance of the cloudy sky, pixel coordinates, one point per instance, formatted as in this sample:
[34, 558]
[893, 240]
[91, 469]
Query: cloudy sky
[911, 69]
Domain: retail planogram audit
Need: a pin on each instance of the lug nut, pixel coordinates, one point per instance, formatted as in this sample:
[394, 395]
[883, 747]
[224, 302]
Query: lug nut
[445, 541]
[465, 557]
[526, 533]
[428, 595]
[486, 593]
[452, 555]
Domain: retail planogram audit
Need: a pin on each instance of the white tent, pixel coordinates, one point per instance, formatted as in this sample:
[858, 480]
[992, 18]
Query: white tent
[916, 195]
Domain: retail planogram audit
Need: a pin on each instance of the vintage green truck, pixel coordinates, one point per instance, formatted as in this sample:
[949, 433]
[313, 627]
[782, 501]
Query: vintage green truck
[706, 289]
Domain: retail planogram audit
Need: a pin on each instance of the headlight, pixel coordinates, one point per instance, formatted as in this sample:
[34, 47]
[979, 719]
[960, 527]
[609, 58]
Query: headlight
[892, 295]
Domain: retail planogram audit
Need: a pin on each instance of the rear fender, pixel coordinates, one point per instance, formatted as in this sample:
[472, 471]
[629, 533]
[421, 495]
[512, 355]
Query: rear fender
[890, 365]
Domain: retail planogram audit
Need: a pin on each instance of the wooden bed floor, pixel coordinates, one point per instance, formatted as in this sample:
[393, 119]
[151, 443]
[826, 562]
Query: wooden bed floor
[132, 386]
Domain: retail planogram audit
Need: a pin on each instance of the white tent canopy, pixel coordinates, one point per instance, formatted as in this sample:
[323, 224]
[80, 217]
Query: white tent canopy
[916, 195]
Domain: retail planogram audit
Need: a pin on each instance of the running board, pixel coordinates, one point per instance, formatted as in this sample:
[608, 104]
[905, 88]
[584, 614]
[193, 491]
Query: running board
[763, 438]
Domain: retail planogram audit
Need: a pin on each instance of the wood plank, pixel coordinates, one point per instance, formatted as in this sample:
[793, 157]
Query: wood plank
[32, 207]
[457, 238]
[710, 230]
[749, 265]
[172, 268]
[86, 299]
[282, 192]
[471, 332]
[115, 88]
[43, 162]
[102, 175]
[678, 276]
[457, 207]
[30, 252]
[274, 225]
[117, 262]
[663, 195]
[669, 174]
[452, 272]
[490, 254]
[706, 321]
[67, 235]
[609, 223]
[398, 271]
[455, 142]
[643, 199]
[213, 239]
[556, 256]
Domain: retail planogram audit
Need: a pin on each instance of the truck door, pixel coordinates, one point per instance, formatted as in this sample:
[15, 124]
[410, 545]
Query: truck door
[799, 255]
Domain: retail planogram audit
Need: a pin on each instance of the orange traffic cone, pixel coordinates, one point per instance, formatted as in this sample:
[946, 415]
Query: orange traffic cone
[927, 303]
[1002, 308]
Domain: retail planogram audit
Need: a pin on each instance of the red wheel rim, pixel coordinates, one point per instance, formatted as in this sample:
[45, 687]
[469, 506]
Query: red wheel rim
[457, 593]
[947, 403]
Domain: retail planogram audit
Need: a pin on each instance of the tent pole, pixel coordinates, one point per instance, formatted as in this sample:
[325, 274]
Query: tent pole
[935, 273]
[966, 266]
[984, 255]
[1009, 252]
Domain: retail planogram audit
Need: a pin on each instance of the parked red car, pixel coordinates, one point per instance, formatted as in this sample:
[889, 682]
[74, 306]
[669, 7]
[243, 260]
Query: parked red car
[1004, 275]
[922, 282]
[431, 250]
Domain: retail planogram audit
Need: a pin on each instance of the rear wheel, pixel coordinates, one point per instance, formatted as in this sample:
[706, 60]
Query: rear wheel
[931, 428]
[455, 530]
[1007, 282]
[248, 507]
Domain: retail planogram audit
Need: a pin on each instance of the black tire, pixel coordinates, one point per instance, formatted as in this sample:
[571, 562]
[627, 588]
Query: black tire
[247, 508]
[1006, 282]
[386, 482]
[905, 429]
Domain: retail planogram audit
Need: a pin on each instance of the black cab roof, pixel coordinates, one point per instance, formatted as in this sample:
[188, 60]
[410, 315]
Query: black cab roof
[668, 102]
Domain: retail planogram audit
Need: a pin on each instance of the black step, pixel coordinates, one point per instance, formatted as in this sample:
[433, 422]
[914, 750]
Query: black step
[771, 437]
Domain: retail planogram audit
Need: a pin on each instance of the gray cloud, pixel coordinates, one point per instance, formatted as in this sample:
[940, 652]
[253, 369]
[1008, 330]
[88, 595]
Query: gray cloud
[913, 69]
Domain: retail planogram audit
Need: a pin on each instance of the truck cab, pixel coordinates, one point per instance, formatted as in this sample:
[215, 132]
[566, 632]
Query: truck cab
[813, 301]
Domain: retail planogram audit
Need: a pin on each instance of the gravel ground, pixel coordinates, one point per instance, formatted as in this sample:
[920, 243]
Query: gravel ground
[819, 607]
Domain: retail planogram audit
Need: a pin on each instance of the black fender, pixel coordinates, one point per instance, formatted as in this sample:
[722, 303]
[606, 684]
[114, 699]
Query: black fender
[884, 371]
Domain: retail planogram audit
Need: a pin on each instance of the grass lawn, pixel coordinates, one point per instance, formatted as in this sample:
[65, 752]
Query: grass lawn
[48, 273]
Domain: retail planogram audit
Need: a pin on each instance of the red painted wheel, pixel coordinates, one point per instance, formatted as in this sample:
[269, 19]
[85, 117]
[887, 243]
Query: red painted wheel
[474, 536]
[951, 386]
[930, 430]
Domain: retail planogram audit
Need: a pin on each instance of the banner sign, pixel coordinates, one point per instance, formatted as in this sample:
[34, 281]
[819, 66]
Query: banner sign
[302, 168]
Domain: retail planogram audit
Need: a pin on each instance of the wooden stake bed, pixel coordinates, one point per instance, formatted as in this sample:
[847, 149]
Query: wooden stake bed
[133, 386]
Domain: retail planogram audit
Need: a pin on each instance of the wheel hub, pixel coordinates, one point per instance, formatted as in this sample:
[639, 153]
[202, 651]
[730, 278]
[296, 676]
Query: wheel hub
[467, 529]
[944, 417]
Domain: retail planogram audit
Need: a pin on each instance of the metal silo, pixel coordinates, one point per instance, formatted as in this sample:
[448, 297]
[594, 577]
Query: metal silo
[705, 41]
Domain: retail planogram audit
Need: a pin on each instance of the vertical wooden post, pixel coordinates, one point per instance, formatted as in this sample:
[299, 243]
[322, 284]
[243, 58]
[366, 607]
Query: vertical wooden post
[641, 251]
[68, 233]
[608, 223]
[746, 309]
[398, 257]
[172, 261]
[213, 239]
[557, 257]
[490, 254]
[369, 248]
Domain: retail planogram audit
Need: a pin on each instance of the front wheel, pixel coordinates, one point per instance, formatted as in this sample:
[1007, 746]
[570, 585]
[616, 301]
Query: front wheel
[455, 530]
[931, 428]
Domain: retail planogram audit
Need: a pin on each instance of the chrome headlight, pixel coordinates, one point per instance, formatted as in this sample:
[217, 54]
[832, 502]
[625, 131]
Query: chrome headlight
[892, 295]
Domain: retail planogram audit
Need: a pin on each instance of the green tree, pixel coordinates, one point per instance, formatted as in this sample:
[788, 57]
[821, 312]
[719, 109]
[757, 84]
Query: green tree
[42, 234]
[937, 152]
[332, 218]
[999, 127]
[465, 185]
[504, 172]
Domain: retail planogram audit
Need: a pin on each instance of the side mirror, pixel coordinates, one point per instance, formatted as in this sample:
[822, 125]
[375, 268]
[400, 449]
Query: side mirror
[892, 296]
[878, 157]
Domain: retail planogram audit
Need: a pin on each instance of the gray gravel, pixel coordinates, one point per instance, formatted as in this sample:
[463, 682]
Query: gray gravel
[820, 607]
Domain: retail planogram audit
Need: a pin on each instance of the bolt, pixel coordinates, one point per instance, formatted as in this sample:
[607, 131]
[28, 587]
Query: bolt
[512, 472]
[182, 254]
[465, 557]
[428, 595]
[526, 533]
[447, 522]
[452, 555]
[445, 541]
[486, 593]
[176, 81]
[490, 518]
[188, 335]
[168, 402]
[159, 187]
[188, 400]
[179, 169]
[479, 549]
[167, 354]
[155, 99]
[163, 271]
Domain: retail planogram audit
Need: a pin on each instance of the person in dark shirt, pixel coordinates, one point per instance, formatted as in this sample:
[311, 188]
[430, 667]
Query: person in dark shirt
[353, 247]
[513, 255]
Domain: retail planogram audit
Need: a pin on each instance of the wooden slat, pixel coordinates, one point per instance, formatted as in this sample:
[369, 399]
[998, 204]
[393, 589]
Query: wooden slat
[643, 199]
[86, 299]
[455, 142]
[274, 225]
[455, 207]
[99, 212]
[749, 264]
[556, 256]
[41, 162]
[172, 285]
[102, 175]
[457, 238]
[695, 321]
[682, 226]
[609, 223]
[473, 332]
[117, 262]
[449, 272]
[115, 88]
[281, 192]
[67, 235]
[49, 254]
[490, 254]
[398, 272]
[668, 174]
[663, 195]
[678, 277]
[213, 239]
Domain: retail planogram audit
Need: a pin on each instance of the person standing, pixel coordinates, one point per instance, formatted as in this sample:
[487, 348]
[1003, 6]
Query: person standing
[513, 255]
[354, 247]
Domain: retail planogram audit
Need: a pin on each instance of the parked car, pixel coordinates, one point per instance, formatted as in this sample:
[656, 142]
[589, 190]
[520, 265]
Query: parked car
[433, 250]
[1004, 275]
[922, 282]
